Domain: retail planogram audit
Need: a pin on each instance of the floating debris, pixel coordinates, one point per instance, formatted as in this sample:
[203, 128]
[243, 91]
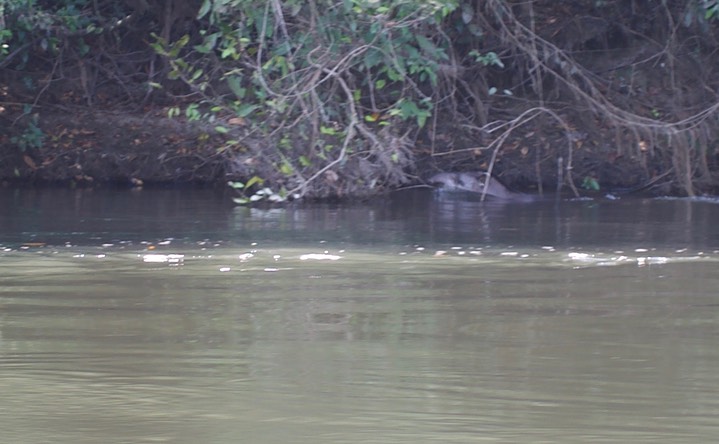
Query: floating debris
[164, 258]
[320, 257]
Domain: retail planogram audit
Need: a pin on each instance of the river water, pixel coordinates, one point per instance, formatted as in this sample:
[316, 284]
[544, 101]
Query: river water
[172, 316]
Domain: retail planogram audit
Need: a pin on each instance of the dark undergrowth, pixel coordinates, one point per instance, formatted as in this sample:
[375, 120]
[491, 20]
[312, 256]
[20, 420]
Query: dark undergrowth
[349, 98]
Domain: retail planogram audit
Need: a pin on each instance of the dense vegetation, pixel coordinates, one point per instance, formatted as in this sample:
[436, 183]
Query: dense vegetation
[325, 98]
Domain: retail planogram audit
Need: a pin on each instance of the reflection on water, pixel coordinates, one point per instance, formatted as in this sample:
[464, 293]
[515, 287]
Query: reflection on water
[398, 321]
[89, 217]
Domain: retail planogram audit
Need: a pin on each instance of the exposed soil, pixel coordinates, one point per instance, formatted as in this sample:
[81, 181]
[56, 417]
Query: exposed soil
[84, 147]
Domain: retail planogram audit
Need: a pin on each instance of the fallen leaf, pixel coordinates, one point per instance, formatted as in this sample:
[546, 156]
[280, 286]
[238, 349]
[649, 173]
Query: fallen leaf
[331, 176]
[31, 163]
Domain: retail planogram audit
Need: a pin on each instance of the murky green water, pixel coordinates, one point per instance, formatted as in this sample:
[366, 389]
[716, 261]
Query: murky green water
[170, 316]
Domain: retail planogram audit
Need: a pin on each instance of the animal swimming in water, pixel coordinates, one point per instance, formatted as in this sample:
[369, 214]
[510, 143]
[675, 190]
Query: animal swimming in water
[477, 182]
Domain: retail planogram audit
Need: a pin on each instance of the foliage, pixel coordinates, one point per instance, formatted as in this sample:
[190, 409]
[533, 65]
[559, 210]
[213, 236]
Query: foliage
[330, 97]
[590, 183]
[711, 9]
[329, 72]
[31, 136]
[31, 25]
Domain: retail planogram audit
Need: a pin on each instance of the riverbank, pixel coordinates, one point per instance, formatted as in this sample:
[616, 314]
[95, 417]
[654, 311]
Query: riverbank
[90, 148]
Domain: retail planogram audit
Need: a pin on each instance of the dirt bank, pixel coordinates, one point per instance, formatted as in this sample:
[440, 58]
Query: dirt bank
[81, 146]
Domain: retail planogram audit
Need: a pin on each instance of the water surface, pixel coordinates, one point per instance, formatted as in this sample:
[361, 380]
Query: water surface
[172, 316]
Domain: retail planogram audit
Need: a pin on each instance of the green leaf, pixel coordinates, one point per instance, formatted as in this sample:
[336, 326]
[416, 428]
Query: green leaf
[372, 57]
[221, 129]
[394, 75]
[192, 111]
[234, 83]
[209, 43]
[422, 119]
[204, 9]
[286, 168]
[590, 183]
[255, 180]
[328, 131]
[245, 110]
[178, 45]
[227, 52]
[426, 45]
[409, 108]
[467, 13]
